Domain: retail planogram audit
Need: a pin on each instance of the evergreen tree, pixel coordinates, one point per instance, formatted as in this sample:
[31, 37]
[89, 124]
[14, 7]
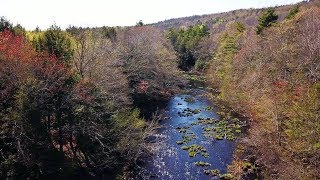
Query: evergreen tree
[185, 42]
[58, 43]
[240, 27]
[37, 29]
[5, 24]
[140, 23]
[266, 20]
[18, 30]
[293, 12]
[109, 32]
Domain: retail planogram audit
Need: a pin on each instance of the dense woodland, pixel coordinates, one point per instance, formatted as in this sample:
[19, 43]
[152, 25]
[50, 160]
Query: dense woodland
[71, 100]
[272, 76]
[82, 102]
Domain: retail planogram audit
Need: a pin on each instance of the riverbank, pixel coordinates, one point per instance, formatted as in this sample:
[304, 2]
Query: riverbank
[197, 139]
[244, 164]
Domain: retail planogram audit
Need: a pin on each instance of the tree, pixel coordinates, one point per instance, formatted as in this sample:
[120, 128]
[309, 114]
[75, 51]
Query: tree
[18, 30]
[293, 12]
[266, 79]
[185, 42]
[26, 98]
[110, 33]
[140, 23]
[96, 58]
[146, 57]
[58, 43]
[58, 120]
[266, 20]
[240, 27]
[37, 29]
[5, 24]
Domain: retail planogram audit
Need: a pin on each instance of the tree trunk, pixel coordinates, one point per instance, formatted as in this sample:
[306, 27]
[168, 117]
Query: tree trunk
[60, 130]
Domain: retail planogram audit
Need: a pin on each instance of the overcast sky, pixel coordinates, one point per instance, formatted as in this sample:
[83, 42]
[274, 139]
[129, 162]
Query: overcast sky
[43, 13]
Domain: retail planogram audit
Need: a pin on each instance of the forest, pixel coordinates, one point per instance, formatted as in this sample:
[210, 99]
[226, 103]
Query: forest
[83, 103]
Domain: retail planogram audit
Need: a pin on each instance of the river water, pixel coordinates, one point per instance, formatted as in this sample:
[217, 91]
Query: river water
[171, 162]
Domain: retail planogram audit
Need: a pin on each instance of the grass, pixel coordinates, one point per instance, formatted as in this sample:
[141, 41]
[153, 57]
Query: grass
[209, 108]
[206, 155]
[192, 154]
[179, 142]
[183, 129]
[218, 137]
[201, 163]
[187, 135]
[195, 149]
[225, 127]
[215, 172]
[185, 148]
[238, 130]
[226, 176]
[230, 137]
[189, 112]
[195, 78]
[194, 123]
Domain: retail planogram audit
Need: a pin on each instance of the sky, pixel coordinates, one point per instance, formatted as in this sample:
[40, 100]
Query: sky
[92, 13]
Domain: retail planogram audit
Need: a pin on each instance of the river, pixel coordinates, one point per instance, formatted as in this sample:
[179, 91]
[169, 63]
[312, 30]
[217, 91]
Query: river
[191, 124]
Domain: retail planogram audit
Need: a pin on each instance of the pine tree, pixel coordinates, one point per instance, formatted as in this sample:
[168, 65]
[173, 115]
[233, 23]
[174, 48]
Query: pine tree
[5, 24]
[58, 43]
[293, 12]
[140, 23]
[266, 20]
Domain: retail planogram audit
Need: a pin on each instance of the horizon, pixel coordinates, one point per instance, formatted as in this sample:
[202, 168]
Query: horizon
[31, 14]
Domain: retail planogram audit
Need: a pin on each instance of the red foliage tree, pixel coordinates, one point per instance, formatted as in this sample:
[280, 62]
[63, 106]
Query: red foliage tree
[143, 86]
[15, 56]
[15, 47]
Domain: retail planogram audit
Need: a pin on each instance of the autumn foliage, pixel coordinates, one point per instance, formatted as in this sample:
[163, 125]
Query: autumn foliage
[273, 79]
[62, 113]
[72, 103]
[52, 121]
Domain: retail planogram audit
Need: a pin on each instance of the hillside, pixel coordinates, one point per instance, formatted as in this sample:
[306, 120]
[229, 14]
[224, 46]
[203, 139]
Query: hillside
[219, 20]
[265, 65]
[233, 95]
